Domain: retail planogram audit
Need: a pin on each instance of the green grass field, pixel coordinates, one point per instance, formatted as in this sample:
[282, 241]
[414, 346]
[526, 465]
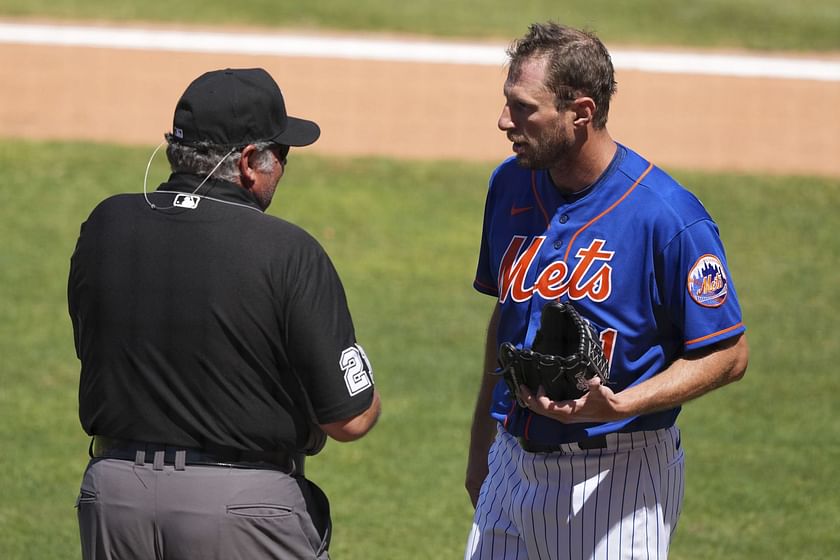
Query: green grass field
[761, 454]
[810, 25]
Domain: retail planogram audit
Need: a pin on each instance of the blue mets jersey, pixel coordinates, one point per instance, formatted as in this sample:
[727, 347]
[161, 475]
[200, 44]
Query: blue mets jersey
[636, 253]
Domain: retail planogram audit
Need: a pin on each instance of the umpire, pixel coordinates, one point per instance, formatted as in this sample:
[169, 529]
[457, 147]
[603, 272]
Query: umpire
[216, 346]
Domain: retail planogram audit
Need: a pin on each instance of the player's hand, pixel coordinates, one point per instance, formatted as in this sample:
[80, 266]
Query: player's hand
[599, 404]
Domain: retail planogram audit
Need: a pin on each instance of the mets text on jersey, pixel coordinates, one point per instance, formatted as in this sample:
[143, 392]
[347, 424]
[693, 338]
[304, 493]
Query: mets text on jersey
[555, 281]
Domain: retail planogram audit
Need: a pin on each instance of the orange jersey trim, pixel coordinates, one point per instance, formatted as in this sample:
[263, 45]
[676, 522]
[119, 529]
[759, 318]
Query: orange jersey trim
[539, 200]
[607, 211]
[526, 433]
[509, 412]
[708, 336]
[487, 287]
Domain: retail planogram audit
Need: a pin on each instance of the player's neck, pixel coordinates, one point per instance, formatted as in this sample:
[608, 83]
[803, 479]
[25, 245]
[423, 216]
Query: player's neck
[585, 165]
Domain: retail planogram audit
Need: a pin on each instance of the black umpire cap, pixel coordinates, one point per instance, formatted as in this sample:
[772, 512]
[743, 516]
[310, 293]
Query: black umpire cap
[235, 107]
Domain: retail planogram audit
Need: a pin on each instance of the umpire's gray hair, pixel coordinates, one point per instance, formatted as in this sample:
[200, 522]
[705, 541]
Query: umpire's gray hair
[202, 158]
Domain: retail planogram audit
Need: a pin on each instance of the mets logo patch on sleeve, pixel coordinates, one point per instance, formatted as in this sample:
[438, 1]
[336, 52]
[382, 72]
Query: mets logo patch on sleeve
[358, 373]
[707, 281]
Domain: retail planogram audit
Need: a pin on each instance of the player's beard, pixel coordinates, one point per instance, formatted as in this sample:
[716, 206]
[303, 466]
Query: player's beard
[545, 151]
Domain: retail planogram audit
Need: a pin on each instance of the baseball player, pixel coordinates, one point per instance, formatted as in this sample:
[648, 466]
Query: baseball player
[216, 346]
[577, 217]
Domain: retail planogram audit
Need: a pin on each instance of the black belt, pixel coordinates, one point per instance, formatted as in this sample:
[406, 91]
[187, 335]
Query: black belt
[595, 442]
[157, 453]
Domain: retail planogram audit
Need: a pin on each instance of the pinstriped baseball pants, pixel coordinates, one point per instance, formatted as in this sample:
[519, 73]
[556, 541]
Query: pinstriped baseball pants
[617, 503]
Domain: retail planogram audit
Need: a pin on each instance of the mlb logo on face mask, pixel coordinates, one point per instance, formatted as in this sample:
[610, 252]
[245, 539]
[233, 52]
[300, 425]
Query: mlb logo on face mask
[186, 201]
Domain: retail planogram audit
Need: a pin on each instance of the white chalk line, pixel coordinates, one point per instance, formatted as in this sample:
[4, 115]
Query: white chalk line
[281, 44]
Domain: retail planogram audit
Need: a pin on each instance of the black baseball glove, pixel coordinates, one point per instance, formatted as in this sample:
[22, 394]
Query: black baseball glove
[566, 354]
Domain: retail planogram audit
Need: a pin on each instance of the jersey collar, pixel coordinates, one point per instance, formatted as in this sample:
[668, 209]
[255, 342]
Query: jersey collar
[574, 197]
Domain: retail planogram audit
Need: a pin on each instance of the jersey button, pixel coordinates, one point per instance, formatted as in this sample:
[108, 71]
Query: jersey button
[564, 218]
[558, 244]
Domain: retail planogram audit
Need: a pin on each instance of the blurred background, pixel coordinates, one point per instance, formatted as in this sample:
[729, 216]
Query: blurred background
[739, 101]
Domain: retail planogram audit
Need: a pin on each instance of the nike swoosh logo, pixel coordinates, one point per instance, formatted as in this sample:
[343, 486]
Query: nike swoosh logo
[514, 211]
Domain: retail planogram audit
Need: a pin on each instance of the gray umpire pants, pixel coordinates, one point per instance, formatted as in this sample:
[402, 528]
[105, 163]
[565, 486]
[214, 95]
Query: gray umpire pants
[129, 510]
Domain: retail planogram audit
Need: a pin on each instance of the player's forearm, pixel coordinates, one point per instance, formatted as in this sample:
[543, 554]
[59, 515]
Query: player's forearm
[482, 433]
[482, 422]
[686, 379]
[483, 428]
[483, 425]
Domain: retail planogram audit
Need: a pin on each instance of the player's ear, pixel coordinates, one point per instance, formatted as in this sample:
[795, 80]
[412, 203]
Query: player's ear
[584, 108]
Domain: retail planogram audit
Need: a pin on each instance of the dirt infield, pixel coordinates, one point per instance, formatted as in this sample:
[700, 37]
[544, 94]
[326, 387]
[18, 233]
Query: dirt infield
[419, 110]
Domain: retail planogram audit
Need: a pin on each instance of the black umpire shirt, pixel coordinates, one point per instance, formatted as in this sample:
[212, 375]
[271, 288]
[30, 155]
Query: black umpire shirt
[209, 323]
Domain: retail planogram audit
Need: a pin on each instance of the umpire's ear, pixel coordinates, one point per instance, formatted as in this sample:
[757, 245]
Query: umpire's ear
[584, 108]
[247, 173]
